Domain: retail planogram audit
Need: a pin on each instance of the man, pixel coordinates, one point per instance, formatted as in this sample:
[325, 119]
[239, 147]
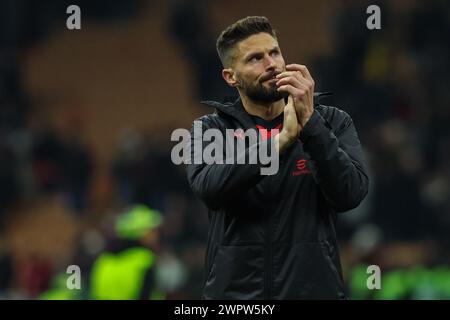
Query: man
[273, 236]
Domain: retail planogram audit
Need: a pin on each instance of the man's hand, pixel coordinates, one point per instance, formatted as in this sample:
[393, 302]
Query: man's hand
[291, 127]
[297, 81]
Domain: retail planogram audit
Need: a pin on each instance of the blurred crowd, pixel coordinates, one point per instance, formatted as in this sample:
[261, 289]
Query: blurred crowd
[37, 162]
[391, 81]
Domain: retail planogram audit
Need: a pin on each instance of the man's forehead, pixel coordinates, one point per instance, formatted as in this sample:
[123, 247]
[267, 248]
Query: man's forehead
[257, 42]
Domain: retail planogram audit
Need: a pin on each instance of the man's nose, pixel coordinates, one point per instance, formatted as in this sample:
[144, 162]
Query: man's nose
[270, 63]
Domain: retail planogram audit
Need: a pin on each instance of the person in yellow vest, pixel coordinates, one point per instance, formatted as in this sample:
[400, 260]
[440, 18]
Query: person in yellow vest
[60, 291]
[128, 272]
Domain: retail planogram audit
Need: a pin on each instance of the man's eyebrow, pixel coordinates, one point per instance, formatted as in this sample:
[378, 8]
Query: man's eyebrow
[251, 54]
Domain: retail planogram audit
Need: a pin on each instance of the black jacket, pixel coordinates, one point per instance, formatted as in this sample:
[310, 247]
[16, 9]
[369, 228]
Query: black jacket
[273, 237]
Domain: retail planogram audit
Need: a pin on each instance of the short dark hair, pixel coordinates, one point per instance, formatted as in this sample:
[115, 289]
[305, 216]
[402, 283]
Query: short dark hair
[238, 31]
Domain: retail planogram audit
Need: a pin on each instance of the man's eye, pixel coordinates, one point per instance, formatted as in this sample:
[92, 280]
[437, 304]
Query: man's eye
[275, 53]
[254, 59]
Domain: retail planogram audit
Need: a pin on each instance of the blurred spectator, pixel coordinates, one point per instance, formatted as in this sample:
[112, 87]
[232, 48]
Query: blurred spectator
[6, 270]
[78, 167]
[34, 274]
[128, 270]
[8, 184]
[189, 25]
[48, 153]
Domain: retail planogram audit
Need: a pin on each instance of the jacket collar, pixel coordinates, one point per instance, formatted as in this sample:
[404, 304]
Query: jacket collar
[236, 110]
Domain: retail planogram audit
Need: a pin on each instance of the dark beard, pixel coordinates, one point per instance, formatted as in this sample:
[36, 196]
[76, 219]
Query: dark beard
[261, 94]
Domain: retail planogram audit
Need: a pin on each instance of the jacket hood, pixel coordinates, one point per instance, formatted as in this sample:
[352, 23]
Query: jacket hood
[231, 108]
[222, 105]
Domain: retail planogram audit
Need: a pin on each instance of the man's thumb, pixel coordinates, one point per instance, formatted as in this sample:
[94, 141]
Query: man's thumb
[290, 100]
[289, 111]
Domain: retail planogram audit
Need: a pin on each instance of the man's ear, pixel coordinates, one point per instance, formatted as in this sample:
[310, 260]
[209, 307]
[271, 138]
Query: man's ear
[229, 76]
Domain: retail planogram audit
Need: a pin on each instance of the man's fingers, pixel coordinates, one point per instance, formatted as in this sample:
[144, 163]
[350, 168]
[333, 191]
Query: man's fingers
[290, 118]
[303, 88]
[289, 89]
[296, 74]
[291, 101]
[289, 108]
[286, 74]
[301, 68]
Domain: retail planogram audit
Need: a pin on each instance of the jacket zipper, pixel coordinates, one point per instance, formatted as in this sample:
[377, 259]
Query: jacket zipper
[268, 293]
[267, 286]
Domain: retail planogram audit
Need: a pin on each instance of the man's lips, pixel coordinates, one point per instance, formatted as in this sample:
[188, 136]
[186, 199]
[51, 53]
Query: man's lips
[270, 78]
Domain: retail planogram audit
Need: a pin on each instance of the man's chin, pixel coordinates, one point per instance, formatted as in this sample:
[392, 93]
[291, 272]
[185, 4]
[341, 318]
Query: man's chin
[268, 98]
[275, 95]
[273, 92]
[270, 85]
[266, 93]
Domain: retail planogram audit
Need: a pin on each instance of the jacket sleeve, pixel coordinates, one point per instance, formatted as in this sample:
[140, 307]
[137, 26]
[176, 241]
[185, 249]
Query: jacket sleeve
[218, 183]
[340, 168]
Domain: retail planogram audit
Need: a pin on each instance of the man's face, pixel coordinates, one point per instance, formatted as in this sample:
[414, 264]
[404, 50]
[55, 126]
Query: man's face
[258, 61]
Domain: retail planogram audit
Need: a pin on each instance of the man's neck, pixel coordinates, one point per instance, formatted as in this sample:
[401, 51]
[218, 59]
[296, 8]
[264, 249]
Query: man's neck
[267, 111]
